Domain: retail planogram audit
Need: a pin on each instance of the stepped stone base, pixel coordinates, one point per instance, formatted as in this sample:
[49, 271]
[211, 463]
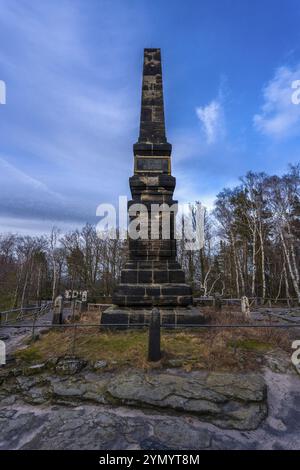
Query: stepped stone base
[130, 317]
[148, 283]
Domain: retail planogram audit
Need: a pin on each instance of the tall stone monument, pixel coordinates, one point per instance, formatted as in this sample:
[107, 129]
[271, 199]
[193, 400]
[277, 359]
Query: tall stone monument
[152, 275]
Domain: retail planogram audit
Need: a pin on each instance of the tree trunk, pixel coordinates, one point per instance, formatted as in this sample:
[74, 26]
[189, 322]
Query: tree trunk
[235, 266]
[263, 274]
[293, 277]
[54, 281]
[24, 290]
[38, 289]
[286, 281]
[253, 264]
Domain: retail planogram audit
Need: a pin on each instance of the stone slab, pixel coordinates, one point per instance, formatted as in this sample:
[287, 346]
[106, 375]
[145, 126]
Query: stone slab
[130, 317]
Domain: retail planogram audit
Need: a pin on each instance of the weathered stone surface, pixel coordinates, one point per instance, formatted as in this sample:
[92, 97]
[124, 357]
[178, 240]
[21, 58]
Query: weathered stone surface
[228, 400]
[97, 428]
[249, 387]
[128, 316]
[69, 365]
[60, 428]
[87, 388]
[279, 362]
[35, 369]
[100, 365]
[33, 389]
[86, 423]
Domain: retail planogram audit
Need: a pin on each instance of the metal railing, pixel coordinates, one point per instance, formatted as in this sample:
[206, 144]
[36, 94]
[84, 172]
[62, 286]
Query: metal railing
[77, 329]
[126, 327]
[22, 313]
[97, 307]
[254, 301]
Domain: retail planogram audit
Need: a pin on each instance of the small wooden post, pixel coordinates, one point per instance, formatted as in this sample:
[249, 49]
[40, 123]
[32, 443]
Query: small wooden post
[83, 307]
[217, 302]
[154, 353]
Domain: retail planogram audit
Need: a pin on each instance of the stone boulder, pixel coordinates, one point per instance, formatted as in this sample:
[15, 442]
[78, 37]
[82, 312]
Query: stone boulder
[235, 401]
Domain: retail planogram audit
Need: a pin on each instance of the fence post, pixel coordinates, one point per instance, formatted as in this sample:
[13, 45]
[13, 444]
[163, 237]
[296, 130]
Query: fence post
[74, 340]
[154, 353]
[83, 307]
[73, 307]
[33, 325]
[217, 301]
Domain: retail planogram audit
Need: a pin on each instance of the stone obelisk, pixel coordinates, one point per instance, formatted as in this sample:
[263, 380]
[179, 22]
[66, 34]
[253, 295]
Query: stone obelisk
[152, 275]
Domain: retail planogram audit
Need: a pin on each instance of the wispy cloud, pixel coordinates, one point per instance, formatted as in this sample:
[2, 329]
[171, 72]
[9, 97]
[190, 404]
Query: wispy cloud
[27, 198]
[279, 117]
[212, 119]
[18, 177]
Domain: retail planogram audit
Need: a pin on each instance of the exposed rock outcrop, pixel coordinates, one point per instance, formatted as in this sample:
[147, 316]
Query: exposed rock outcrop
[232, 401]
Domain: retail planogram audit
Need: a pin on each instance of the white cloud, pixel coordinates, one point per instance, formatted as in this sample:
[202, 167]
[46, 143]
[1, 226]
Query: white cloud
[279, 116]
[212, 120]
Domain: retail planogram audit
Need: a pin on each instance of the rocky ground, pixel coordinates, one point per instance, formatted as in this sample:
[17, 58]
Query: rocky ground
[69, 404]
[277, 314]
[14, 335]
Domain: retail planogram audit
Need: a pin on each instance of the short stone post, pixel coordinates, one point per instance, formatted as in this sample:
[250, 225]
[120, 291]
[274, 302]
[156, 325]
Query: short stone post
[58, 310]
[154, 353]
[245, 307]
[83, 304]
[2, 353]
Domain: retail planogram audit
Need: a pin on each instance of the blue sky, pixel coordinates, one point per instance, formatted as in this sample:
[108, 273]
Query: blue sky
[73, 68]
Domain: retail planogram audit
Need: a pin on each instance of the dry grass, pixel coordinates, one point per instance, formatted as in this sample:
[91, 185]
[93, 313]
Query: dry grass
[92, 317]
[209, 349]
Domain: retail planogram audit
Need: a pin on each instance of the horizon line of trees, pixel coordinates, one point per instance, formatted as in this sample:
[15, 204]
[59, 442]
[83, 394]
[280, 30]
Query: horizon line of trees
[251, 248]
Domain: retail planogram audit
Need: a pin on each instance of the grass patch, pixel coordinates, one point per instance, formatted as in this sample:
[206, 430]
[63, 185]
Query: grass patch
[120, 347]
[29, 355]
[250, 345]
[207, 349]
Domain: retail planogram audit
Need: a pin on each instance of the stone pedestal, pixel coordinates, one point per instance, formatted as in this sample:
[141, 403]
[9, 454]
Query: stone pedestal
[128, 317]
[148, 283]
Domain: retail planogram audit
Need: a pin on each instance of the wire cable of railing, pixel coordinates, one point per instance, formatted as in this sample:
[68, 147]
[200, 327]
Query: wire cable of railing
[165, 325]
